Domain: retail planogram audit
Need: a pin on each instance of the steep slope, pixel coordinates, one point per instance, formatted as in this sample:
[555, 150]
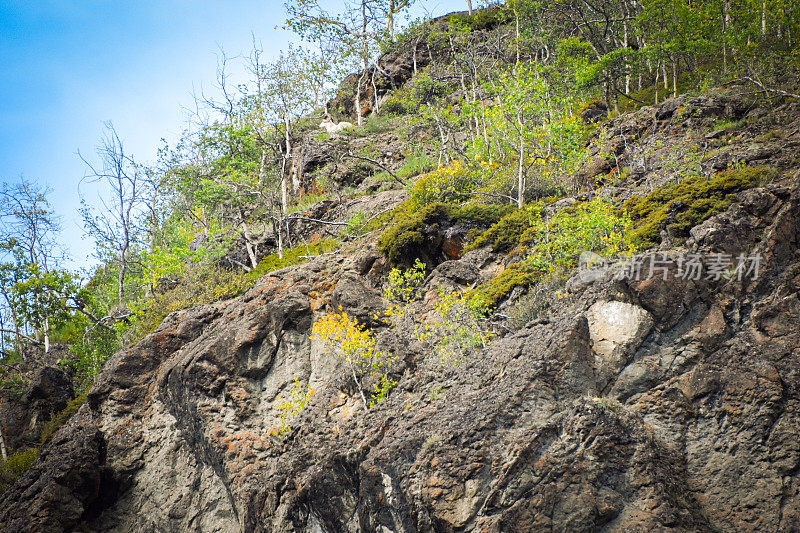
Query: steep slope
[663, 403]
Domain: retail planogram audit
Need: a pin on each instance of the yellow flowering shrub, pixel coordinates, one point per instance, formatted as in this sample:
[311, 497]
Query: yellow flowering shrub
[293, 405]
[453, 328]
[344, 337]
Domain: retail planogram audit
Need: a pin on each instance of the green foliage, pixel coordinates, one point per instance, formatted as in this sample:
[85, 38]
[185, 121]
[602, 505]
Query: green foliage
[554, 244]
[293, 405]
[447, 184]
[55, 423]
[678, 207]
[208, 284]
[382, 389]
[404, 284]
[481, 19]
[531, 129]
[456, 328]
[729, 124]
[515, 275]
[427, 89]
[295, 256]
[15, 466]
[14, 386]
[91, 350]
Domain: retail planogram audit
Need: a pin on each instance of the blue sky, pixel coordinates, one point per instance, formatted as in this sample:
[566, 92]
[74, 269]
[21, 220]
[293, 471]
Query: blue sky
[66, 67]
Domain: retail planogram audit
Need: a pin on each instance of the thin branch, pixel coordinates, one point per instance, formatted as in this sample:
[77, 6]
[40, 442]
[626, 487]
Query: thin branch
[367, 159]
[628, 96]
[306, 219]
[766, 89]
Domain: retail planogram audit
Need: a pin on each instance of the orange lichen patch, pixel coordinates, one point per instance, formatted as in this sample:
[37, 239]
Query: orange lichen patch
[239, 394]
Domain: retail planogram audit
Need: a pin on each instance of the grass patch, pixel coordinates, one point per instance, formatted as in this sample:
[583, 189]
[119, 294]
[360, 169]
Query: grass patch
[55, 423]
[295, 256]
[414, 166]
[17, 464]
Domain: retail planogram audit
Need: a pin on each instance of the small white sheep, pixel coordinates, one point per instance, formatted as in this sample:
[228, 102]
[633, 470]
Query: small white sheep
[328, 125]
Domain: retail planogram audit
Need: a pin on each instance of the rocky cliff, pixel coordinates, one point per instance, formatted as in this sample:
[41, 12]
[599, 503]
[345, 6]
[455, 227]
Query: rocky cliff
[659, 403]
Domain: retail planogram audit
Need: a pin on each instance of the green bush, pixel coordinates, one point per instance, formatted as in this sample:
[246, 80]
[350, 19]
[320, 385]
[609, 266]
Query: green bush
[451, 184]
[211, 284]
[55, 423]
[15, 466]
[678, 207]
[89, 352]
[554, 244]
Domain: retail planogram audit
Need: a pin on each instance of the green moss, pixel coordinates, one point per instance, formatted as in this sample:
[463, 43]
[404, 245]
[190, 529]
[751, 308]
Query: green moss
[678, 207]
[508, 231]
[295, 256]
[55, 423]
[15, 466]
[404, 241]
[481, 214]
[515, 275]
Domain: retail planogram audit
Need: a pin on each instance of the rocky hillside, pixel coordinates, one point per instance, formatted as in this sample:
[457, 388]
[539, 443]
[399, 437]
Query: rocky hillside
[667, 402]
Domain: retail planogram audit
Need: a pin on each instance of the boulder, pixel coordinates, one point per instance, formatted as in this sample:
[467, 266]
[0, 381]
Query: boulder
[616, 330]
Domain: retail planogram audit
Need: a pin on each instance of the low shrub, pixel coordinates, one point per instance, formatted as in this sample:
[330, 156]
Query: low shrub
[450, 184]
[211, 284]
[293, 405]
[481, 19]
[344, 337]
[554, 244]
[15, 466]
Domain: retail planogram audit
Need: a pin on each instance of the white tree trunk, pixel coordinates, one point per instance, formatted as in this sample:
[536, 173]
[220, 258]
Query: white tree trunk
[3, 450]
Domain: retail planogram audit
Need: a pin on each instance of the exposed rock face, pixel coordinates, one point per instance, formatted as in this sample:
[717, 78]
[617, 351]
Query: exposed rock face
[48, 393]
[666, 404]
[662, 403]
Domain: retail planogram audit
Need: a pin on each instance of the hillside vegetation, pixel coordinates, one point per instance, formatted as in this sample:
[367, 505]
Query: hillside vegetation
[277, 285]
